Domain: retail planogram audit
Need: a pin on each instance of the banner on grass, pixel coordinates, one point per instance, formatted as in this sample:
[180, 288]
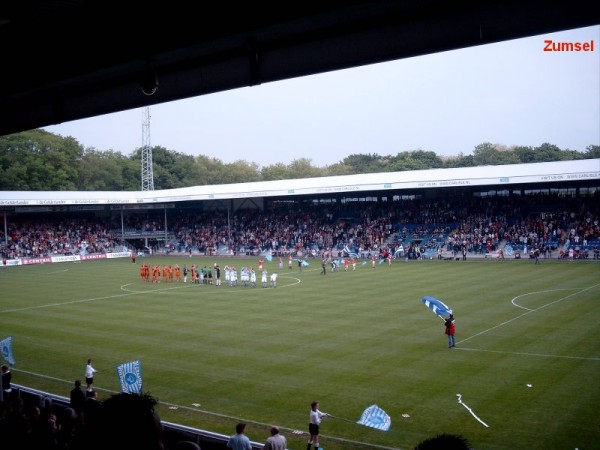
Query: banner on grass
[130, 377]
[375, 417]
[438, 307]
[7, 354]
[268, 255]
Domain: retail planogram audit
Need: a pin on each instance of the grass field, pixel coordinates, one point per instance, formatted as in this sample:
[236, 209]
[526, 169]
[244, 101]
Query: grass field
[526, 366]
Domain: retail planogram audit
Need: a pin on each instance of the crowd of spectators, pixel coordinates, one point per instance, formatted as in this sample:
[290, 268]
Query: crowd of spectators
[478, 224]
[28, 237]
[122, 421]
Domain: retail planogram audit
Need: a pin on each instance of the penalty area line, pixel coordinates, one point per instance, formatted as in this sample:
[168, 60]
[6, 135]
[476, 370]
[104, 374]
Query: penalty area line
[541, 355]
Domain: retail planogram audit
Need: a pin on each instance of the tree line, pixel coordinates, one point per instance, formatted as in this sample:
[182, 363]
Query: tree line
[38, 160]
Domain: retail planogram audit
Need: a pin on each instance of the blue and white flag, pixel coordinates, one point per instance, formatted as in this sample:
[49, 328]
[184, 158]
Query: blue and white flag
[350, 253]
[130, 377]
[375, 417]
[304, 263]
[7, 354]
[268, 255]
[438, 307]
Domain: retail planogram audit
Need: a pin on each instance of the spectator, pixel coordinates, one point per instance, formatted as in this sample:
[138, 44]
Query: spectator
[444, 442]
[129, 421]
[239, 441]
[6, 382]
[77, 397]
[276, 441]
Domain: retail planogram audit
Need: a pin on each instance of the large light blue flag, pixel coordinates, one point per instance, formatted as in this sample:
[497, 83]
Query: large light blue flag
[7, 354]
[304, 263]
[375, 417]
[268, 255]
[438, 307]
[130, 377]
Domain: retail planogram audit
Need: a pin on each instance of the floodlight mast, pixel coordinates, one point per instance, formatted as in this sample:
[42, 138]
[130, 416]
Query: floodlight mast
[147, 171]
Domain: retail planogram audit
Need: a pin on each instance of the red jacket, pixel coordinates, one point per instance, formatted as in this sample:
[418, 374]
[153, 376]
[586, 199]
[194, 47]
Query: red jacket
[450, 326]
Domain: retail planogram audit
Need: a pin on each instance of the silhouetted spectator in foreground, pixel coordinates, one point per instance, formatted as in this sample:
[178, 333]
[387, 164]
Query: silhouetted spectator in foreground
[77, 397]
[129, 421]
[444, 441]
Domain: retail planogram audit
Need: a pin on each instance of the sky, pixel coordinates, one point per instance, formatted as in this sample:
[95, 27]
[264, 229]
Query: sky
[510, 93]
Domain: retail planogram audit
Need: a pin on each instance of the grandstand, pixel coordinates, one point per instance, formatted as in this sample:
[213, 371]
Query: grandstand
[407, 205]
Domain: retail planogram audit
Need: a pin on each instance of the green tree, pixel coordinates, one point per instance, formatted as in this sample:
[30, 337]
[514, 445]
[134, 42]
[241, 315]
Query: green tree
[208, 170]
[339, 169]
[38, 160]
[277, 171]
[460, 160]
[592, 151]
[241, 172]
[102, 171]
[415, 160]
[524, 154]
[371, 163]
[548, 152]
[487, 154]
[303, 168]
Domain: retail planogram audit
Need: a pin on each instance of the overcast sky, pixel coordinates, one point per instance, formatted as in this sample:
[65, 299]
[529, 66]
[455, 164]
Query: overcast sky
[509, 93]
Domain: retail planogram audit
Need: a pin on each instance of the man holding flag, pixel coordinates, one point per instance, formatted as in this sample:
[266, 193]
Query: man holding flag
[450, 325]
[440, 309]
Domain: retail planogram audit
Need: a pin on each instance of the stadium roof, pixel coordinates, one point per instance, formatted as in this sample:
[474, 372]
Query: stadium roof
[505, 175]
[64, 60]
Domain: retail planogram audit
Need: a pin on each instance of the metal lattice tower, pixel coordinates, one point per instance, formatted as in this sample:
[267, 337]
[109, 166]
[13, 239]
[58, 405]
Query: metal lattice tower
[147, 171]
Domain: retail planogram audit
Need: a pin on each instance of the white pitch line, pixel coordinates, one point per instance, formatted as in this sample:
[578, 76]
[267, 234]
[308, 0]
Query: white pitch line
[72, 302]
[513, 301]
[153, 291]
[212, 413]
[528, 312]
[215, 291]
[541, 355]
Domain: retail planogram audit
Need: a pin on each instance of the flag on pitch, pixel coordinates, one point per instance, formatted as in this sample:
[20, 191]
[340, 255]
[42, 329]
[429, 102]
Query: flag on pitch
[7, 354]
[304, 263]
[375, 417]
[438, 307]
[268, 255]
[130, 377]
[350, 253]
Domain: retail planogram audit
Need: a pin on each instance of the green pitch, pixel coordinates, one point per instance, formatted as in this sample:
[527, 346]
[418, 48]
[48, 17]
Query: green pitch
[524, 373]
